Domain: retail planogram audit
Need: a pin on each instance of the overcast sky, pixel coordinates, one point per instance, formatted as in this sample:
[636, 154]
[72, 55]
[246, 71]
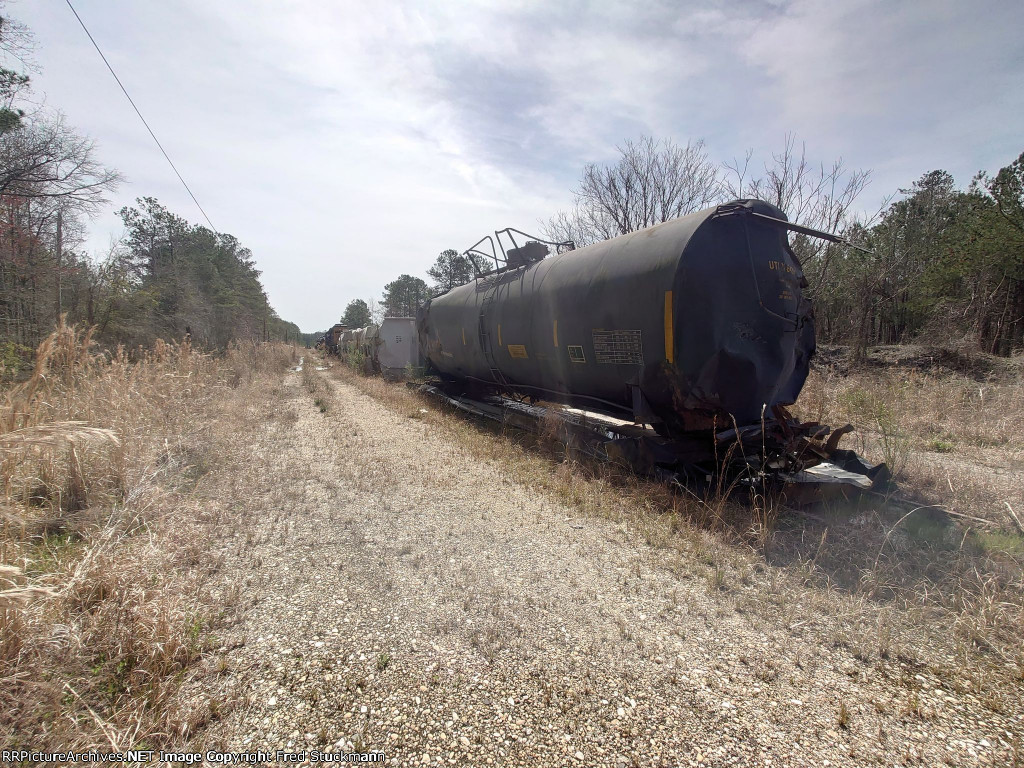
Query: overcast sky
[348, 142]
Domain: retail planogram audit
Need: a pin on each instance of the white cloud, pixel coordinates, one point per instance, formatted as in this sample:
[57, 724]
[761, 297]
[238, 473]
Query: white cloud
[345, 143]
[935, 83]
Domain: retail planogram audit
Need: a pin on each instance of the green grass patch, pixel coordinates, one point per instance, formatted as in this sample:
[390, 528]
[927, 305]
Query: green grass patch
[52, 552]
[1001, 541]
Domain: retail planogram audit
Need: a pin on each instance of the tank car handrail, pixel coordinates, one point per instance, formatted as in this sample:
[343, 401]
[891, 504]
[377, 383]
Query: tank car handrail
[508, 231]
[732, 209]
[501, 263]
[493, 255]
[476, 267]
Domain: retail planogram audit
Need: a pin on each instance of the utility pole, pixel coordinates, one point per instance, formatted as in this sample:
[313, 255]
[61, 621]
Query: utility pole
[59, 256]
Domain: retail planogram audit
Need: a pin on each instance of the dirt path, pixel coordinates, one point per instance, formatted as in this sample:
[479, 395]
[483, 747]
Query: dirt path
[410, 598]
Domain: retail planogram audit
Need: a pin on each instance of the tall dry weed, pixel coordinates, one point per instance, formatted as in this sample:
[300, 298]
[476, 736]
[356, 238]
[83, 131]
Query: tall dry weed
[955, 552]
[954, 440]
[98, 624]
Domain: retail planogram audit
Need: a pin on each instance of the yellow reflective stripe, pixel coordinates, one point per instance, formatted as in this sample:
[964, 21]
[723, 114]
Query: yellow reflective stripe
[555, 332]
[463, 337]
[669, 351]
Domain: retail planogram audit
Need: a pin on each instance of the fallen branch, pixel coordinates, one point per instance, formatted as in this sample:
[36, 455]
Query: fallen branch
[1016, 520]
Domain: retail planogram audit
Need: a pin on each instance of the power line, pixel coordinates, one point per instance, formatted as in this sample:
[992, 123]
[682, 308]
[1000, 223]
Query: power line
[130, 101]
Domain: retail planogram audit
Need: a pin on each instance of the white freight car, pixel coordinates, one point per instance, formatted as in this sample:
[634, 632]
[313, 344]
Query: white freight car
[397, 346]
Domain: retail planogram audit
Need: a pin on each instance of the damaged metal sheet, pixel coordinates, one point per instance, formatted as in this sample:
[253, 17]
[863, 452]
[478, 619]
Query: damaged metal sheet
[822, 482]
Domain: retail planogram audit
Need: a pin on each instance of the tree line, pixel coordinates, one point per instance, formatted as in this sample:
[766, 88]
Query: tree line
[166, 278]
[939, 263]
[404, 295]
[935, 262]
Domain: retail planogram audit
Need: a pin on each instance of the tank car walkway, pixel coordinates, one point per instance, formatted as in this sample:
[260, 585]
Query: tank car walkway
[411, 598]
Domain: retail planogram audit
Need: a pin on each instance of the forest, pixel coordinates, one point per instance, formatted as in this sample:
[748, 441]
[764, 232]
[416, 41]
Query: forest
[165, 278]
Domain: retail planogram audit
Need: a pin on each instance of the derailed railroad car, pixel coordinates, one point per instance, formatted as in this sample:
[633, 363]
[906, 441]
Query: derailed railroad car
[689, 324]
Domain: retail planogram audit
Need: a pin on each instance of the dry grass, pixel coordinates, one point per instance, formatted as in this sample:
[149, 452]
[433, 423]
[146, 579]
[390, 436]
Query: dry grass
[951, 439]
[321, 392]
[890, 588]
[954, 559]
[104, 550]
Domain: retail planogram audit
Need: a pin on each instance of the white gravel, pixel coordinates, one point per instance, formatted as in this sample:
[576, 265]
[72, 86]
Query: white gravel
[413, 599]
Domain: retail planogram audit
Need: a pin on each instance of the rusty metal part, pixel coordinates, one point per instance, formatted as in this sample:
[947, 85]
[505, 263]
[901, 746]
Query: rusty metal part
[833, 441]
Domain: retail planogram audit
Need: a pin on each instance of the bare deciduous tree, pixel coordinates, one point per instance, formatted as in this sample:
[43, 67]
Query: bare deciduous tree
[653, 181]
[376, 311]
[50, 181]
[46, 159]
[16, 42]
[819, 196]
[814, 195]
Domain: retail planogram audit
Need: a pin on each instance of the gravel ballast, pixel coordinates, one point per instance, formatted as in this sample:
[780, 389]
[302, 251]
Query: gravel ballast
[410, 597]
